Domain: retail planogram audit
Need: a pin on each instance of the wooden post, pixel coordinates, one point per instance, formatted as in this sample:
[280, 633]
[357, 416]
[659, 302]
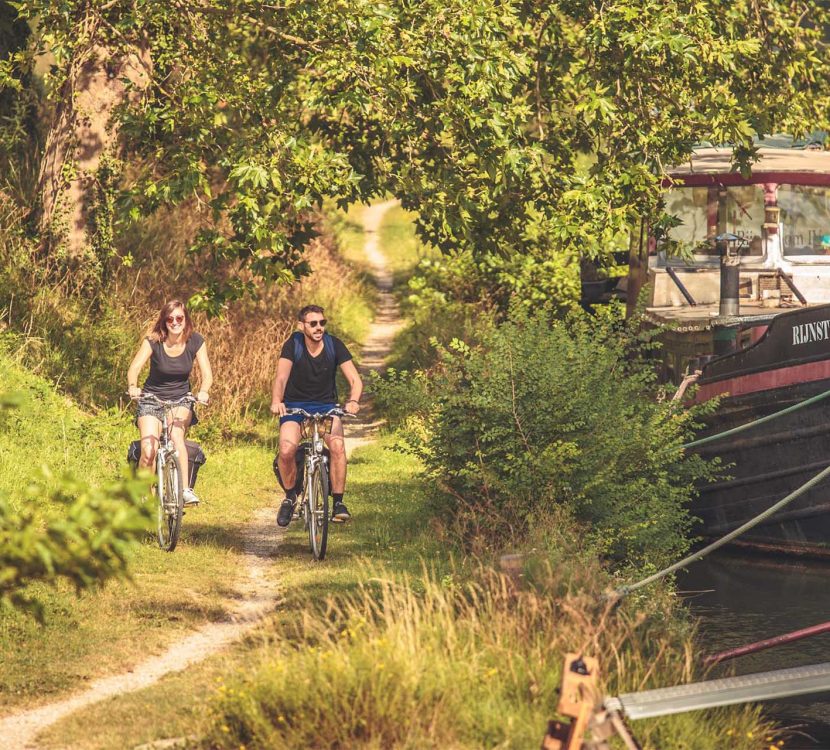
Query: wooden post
[577, 700]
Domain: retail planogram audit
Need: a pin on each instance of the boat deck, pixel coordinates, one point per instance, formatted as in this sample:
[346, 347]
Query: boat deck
[705, 317]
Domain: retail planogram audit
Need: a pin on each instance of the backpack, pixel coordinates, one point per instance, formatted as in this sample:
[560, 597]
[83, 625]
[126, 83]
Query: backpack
[299, 345]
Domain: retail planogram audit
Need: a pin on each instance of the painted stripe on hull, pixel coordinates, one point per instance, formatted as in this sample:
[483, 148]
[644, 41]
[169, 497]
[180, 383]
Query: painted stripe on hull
[765, 381]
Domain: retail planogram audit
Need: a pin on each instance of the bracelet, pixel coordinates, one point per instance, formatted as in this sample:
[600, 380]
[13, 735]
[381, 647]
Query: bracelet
[352, 401]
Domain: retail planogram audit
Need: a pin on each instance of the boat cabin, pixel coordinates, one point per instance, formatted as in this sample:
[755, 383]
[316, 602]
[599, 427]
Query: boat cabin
[739, 250]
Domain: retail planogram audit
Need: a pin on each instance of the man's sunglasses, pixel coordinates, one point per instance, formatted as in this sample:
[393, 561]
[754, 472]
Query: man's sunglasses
[315, 323]
[175, 318]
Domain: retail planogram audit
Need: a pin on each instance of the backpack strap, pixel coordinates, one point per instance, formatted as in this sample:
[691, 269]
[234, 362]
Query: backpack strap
[297, 338]
[328, 345]
[299, 345]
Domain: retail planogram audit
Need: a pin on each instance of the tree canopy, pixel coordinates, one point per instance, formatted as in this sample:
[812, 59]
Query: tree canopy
[524, 132]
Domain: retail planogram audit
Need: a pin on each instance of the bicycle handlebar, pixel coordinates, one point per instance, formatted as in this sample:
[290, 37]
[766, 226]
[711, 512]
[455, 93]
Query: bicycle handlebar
[336, 412]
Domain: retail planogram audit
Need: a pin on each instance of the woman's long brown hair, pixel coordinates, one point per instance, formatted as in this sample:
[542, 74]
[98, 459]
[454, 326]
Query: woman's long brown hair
[160, 332]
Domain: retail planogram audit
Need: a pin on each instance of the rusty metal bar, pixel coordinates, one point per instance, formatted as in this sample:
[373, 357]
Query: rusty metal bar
[751, 648]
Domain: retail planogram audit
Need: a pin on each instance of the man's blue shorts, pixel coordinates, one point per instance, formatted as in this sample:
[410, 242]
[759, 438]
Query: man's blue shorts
[312, 407]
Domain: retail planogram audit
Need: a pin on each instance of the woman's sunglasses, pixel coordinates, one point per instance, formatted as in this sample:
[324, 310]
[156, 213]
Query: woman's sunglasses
[175, 318]
[315, 323]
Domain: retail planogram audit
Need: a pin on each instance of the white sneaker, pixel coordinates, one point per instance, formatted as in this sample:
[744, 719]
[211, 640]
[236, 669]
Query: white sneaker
[190, 497]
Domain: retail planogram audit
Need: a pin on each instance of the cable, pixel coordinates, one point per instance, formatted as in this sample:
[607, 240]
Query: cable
[760, 420]
[699, 555]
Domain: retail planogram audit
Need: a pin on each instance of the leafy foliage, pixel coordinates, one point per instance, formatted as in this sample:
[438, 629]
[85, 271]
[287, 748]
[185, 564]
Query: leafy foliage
[526, 133]
[86, 540]
[545, 413]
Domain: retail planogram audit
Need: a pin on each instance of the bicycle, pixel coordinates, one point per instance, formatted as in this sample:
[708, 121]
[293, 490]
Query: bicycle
[314, 503]
[169, 489]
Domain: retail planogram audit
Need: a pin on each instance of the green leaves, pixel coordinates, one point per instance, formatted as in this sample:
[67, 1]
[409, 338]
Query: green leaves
[86, 541]
[546, 412]
[477, 115]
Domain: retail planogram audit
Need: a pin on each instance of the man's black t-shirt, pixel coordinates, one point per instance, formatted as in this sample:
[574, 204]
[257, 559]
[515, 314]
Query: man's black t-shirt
[313, 378]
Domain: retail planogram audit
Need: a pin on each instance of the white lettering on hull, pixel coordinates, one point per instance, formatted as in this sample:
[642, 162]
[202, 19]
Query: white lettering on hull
[807, 333]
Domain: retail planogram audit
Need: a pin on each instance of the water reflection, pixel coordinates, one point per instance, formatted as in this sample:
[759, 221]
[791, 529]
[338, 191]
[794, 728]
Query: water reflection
[741, 599]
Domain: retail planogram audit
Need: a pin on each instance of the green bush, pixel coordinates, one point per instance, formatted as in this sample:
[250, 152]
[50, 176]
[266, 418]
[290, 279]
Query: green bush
[84, 535]
[549, 412]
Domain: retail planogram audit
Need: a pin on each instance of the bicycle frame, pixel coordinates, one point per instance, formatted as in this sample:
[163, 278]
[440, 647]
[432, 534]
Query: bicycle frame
[315, 486]
[169, 475]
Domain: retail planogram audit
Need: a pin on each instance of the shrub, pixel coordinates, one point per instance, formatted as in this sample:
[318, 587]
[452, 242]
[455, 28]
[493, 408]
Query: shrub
[85, 539]
[550, 412]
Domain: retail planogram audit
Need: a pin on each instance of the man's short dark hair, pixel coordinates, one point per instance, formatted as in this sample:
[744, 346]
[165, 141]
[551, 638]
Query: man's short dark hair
[308, 309]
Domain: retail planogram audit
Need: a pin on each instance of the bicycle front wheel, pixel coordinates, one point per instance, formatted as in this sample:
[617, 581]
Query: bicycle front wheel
[317, 509]
[170, 502]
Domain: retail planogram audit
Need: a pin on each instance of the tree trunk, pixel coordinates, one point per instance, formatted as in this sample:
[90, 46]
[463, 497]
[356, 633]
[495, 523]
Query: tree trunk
[82, 133]
[637, 267]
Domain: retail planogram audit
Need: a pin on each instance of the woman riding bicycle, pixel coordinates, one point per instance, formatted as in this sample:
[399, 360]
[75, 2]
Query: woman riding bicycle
[171, 348]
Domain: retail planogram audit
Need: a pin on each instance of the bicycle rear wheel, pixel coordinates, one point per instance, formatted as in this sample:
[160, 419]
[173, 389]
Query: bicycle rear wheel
[170, 502]
[317, 509]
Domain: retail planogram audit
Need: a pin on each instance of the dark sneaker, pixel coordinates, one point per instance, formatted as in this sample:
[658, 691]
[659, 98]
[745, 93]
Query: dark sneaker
[340, 513]
[285, 513]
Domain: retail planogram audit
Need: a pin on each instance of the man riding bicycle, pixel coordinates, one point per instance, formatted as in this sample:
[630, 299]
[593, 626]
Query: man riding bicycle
[306, 373]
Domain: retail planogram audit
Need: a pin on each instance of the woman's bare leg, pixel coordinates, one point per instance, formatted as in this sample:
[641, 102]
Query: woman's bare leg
[181, 421]
[149, 428]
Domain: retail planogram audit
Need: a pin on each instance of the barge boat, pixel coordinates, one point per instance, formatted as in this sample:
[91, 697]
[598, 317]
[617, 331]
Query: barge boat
[742, 280]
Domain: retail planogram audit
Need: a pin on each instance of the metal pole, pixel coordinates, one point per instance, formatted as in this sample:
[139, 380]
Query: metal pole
[685, 292]
[751, 648]
[730, 274]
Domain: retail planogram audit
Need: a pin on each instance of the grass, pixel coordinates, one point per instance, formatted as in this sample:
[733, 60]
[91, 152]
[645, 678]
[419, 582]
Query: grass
[431, 662]
[389, 505]
[347, 227]
[390, 643]
[111, 629]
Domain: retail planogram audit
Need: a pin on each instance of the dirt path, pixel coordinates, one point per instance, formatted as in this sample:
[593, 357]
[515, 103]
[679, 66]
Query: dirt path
[258, 595]
[386, 324]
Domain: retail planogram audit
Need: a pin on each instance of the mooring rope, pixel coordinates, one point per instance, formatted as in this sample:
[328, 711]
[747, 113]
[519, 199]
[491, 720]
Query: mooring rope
[700, 554]
[759, 421]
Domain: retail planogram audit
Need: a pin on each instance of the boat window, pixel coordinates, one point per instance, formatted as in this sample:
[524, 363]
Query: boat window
[703, 213]
[805, 218]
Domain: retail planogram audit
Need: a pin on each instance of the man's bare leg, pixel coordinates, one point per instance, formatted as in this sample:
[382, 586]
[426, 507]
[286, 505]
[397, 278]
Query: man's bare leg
[289, 441]
[337, 469]
[290, 434]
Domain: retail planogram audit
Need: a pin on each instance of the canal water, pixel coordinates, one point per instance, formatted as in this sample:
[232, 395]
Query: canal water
[744, 598]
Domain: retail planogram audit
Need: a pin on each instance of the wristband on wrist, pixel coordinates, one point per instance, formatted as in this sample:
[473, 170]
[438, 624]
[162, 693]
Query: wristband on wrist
[352, 401]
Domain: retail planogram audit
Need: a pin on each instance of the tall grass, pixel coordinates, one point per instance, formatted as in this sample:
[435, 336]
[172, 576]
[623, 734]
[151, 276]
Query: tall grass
[85, 345]
[443, 662]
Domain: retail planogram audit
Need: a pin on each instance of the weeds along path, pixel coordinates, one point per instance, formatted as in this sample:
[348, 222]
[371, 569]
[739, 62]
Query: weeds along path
[258, 595]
